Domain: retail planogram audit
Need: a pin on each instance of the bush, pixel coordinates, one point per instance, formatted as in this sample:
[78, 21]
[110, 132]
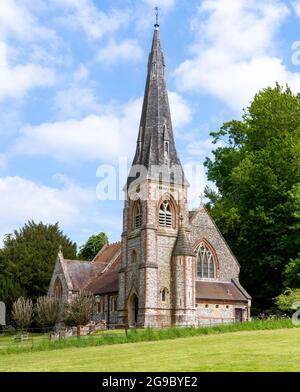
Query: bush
[48, 311]
[22, 312]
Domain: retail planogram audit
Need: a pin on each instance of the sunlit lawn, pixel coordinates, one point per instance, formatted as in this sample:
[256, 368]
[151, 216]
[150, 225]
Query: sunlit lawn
[269, 350]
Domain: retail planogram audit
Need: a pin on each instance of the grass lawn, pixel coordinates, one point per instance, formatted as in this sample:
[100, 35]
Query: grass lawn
[268, 350]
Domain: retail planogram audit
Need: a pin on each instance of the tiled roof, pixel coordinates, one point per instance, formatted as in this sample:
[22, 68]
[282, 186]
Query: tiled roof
[81, 272]
[107, 253]
[219, 291]
[108, 282]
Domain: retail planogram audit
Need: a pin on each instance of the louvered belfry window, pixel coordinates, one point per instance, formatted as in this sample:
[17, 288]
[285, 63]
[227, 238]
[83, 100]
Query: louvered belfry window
[165, 214]
[138, 216]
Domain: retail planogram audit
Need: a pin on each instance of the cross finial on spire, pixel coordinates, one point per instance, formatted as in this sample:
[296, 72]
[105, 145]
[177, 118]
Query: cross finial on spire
[156, 18]
[201, 199]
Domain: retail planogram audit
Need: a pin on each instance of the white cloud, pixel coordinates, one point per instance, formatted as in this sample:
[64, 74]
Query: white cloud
[16, 81]
[103, 137]
[94, 22]
[95, 137]
[234, 51]
[16, 20]
[202, 148]
[180, 111]
[76, 102]
[22, 199]
[128, 49]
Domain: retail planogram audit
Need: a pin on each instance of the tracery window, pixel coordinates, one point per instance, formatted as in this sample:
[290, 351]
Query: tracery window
[165, 214]
[206, 264]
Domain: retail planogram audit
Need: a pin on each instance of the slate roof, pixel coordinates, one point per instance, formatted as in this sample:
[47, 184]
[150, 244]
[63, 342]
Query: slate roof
[82, 273]
[108, 282]
[156, 124]
[227, 291]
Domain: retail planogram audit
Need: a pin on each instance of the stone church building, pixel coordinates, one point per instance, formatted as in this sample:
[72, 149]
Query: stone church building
[172, 266]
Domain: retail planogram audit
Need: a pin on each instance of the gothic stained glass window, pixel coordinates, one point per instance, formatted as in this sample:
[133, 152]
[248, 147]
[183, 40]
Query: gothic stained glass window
[206, 266]
[165, 214]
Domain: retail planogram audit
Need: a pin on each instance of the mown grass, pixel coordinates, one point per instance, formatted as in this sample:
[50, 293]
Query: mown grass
[257, 350]
[140, 335]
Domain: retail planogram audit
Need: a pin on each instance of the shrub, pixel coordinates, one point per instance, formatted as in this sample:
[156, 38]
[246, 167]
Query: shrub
[22, 312]
[48, 311]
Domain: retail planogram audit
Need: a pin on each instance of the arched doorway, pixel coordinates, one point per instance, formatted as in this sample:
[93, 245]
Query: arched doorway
[133, 309]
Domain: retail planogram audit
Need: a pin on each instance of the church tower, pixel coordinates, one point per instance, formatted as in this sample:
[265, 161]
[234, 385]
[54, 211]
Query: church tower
[156, 278]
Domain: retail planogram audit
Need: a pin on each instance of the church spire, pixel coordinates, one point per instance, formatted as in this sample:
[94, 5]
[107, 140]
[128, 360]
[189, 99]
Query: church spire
[155, 143]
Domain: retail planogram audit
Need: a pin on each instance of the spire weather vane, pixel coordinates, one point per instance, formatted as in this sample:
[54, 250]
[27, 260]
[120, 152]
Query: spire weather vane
[156, 16]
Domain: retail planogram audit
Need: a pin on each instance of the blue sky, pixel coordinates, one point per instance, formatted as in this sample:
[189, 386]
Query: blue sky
[72, 76]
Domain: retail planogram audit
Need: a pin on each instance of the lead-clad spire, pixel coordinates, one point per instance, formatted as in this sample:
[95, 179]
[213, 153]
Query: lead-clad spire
[155, 144]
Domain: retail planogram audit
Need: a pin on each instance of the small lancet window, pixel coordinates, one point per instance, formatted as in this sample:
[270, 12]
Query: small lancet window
[166, 149]
[154, 69]
[206, 265]
[58, 289]
[138, 216]
[165, 214]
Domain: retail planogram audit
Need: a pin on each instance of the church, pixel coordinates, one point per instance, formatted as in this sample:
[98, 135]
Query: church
[172, 266]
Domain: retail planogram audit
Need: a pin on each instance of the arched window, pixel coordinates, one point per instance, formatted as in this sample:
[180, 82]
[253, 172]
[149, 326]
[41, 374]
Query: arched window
[165, 214]
[138, 216]
[58, 289]
[164, 294]
[206, 265]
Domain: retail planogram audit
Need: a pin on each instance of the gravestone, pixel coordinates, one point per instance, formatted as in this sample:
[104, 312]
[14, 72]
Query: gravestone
[2, 313]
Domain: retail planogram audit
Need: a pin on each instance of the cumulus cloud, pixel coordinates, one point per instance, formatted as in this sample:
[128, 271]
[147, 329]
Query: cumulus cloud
[103, 137]
[128, 49]
[16, 81]
[180, 110]
[233, 55]
[94, 22]
[22, 199]
[76, 102]
[95, 137]
[16, 20]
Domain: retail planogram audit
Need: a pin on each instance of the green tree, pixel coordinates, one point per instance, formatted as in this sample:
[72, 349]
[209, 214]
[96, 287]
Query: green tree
[28, 258]
[289, 300]
[80, 311]
[257, 205]
[93, 245]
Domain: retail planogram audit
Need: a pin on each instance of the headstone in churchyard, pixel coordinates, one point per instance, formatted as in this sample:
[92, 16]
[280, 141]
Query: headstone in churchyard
[2, 313]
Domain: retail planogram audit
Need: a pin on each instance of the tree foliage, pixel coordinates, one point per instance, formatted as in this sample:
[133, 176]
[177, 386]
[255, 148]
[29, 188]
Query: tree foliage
[81, 310]
[289, 300]
[22, 312]
[48, 311]
[257, 205]
[27, 260]
[93, 245]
